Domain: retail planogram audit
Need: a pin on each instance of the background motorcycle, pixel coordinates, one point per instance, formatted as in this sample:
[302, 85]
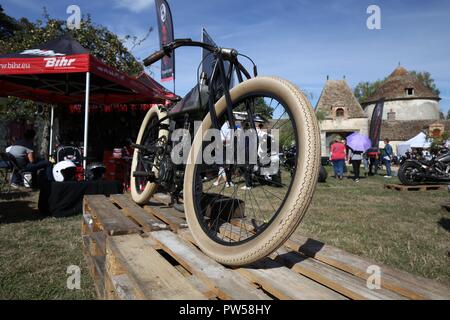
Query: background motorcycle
[420, 170]
[288, 161]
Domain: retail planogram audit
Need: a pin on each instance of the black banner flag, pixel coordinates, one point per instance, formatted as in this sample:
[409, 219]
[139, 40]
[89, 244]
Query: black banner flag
[375, 124]
[209, 60]
[165, 26]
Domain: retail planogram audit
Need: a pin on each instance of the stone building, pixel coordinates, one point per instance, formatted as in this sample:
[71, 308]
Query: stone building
[341, 113]
[409, 108]
[406, 99]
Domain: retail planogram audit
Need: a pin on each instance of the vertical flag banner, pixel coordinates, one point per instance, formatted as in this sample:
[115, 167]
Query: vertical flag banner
[209, 60]
[165, 26]
[375, 124]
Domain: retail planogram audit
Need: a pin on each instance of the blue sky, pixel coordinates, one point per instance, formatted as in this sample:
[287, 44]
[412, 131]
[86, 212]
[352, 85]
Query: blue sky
[301, 40]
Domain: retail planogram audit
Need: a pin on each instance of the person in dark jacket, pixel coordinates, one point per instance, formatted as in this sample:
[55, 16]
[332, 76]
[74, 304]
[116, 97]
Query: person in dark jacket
[355, 158]
[388, 154]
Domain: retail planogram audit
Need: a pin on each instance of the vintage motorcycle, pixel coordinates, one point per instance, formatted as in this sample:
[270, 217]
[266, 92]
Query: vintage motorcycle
[420, 170]
[288, 159]
[233, 217]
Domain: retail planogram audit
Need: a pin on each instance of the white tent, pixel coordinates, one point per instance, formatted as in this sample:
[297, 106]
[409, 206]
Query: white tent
[419, 141]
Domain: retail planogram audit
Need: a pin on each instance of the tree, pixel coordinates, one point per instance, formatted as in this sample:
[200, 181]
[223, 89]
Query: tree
[363, 90]
[8, 25]
[427, 80]
[23, 34]
[260, 107]
[320, 115]
[102, 43]
[448, 115]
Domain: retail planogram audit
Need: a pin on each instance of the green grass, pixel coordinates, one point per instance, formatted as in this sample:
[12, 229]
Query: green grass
[35, 253]
[405, 230]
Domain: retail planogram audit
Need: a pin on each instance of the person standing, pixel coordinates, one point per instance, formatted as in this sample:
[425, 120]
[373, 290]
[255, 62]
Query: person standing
[373, 155]
[366, 163]
[344, 142]
[355, 158]
[387, 157]
[337, 157]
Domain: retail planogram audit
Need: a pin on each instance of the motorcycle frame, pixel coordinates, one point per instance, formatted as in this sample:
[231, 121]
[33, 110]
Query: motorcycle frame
[221, 55]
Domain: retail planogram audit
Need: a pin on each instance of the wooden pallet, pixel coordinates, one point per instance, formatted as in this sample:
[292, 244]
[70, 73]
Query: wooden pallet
[400, 187]
[149, 253]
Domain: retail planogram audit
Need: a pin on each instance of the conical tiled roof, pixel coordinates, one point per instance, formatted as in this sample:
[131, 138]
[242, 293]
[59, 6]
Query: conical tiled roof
[395, 86]
[337, 93]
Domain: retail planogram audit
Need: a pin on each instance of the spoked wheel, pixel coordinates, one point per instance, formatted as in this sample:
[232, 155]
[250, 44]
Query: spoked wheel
[150, 134]
[246, 220]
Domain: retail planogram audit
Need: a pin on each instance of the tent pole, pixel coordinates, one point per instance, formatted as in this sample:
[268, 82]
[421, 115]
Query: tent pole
[52, 118]
[86, 120]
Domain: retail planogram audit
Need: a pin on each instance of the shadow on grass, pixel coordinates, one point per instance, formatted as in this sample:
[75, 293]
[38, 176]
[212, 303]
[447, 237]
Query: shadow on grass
[14, 195]
[19, 211]
[445, 223]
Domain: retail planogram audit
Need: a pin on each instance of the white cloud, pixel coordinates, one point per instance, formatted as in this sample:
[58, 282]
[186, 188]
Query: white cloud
[134, 5]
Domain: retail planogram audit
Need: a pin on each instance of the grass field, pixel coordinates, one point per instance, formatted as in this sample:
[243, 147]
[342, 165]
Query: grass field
[405, 230]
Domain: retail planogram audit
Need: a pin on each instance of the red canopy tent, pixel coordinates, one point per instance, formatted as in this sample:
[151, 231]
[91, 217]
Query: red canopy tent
[63, 72]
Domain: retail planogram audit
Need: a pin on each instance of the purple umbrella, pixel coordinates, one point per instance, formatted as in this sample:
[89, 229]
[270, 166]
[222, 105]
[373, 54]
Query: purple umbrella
[359, 142]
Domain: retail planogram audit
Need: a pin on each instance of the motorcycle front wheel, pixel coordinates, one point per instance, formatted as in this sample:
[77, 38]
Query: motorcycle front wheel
[241, 221]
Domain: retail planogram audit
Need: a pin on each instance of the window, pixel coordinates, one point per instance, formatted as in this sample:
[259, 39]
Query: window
[409, 91]
[391, 116]
[340, 113]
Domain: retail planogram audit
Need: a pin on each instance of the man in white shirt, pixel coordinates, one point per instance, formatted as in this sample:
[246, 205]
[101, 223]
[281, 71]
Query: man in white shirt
[23, 152]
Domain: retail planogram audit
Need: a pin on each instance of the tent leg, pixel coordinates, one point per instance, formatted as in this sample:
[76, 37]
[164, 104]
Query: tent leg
[52, 118]
[86, 120]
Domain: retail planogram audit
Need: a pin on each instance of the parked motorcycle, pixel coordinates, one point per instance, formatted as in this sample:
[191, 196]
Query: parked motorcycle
[234, 223]
[420, 170]
[288, 157]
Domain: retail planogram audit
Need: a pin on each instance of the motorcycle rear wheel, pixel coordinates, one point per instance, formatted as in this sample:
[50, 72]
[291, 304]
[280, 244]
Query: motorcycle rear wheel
[141, 189]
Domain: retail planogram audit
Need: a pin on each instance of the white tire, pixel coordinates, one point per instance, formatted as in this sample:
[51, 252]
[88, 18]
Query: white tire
[142, 195]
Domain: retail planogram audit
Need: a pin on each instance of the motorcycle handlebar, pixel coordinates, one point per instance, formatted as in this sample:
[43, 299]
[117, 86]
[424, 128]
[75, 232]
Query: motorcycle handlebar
[168, 49]
[158, 55]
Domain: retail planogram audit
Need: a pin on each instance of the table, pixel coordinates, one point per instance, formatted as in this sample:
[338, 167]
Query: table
[62, 199]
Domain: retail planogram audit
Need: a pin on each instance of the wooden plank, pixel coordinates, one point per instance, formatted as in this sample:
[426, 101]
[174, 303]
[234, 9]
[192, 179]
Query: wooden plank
[144, 218]
[162, 198]
[224, 283]
[112, 221]
[167, 215]
[400, 187]
[403, 283]
[285, 284]
[123, 287]
[152, 276]
[95, 267]
[338, 280]
[197, 283]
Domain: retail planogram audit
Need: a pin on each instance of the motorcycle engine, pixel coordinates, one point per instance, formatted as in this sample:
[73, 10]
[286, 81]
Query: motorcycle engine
[165, 170]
